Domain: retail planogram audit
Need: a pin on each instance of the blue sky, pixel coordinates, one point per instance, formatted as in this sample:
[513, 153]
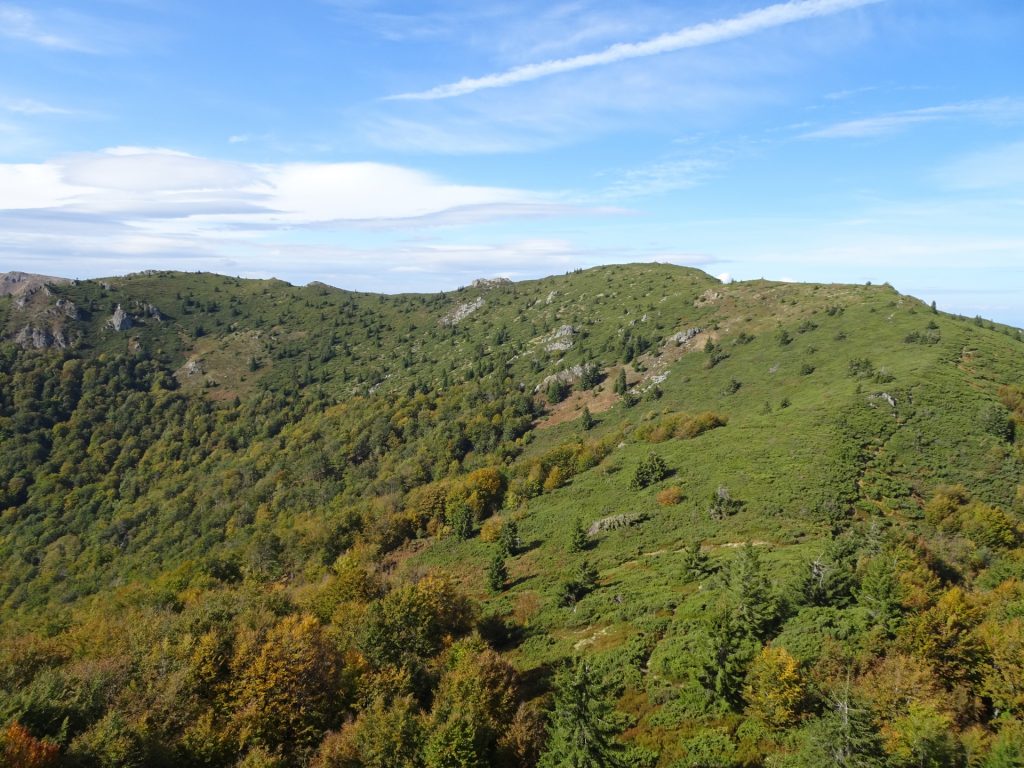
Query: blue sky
[382, 145]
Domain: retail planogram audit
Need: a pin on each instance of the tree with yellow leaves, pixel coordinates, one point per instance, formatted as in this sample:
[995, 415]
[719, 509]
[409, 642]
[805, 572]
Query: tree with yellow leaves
[774, 689]
[289, 687]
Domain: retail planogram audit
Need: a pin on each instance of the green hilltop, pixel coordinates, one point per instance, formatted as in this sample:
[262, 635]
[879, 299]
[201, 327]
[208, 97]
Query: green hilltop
[243, 522]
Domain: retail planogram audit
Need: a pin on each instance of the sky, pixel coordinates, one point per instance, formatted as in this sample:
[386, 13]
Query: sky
[392, 145]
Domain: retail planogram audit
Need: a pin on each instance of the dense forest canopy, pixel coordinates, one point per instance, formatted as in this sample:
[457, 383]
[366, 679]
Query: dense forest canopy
[628, 515]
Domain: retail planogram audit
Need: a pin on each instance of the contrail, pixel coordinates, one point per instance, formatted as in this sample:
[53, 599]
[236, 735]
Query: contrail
[689, 37]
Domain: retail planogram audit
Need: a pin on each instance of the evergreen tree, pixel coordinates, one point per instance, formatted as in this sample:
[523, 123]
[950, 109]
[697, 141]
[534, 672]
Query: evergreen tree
[620, 382]
[880, 592]
[578, 540]
[754, 602]
[844, 737]
[696, 563]
[587, 420]
[829, 578]
[497, 573]
[508, 538]
[722, 659]
[581, 731]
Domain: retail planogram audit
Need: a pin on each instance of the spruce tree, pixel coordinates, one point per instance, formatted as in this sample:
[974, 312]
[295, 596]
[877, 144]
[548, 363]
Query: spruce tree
[754, 602]
[581, 731]
[578, 540]
[695, 560]
[620, 382]
[587, 420]
[508, 538]
[497, 573]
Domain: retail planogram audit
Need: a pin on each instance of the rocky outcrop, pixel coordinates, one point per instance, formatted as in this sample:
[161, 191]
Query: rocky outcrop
[120, 320]
[561, 339]
[568, 376]
[34, 337]
[492, 282]
[684, 336]
[193, 367]
[462, 311]
[68, 308]
[708, 297]
[153, 311]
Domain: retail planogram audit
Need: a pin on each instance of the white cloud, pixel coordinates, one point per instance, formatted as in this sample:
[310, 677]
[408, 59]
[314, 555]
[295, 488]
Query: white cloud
[33, 107]
[22, 24]
[689, 37]
[725, 277]
[135, 207]
[880, 125]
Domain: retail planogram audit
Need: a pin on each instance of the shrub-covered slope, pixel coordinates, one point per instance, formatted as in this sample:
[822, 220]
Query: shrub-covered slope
[245, 521]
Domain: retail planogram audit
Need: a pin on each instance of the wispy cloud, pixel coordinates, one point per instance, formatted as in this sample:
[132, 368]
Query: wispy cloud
[33, 107]
[667, 176]
[892, 122]
[689, 37]
[20, 23]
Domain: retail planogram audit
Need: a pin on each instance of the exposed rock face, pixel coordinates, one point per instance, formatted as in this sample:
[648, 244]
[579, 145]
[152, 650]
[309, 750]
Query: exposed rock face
[154, 312]
[33, 337]
[708, 297]
[561, 339]
[568, 376]
[462, 311]
[492, 282]
[68, 308]
[684, 336]
[120, 320]
[193, 367]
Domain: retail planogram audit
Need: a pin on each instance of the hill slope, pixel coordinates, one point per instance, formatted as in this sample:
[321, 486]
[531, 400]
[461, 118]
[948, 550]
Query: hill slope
[713, 488]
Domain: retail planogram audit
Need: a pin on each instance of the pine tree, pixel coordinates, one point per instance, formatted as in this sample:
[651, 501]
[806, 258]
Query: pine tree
[722, 659]
[578, 540]
[695, 560]
[587, 420]
[844, 737]
[508, 538]
[497, 573]
[754, 602]
[880, 592]
[581, 732]
[620, 382]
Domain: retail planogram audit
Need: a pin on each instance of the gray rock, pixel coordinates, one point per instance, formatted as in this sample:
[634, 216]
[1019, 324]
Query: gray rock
[120, 320]
[32, 337]
[491, 282]
[684, 336]
[462, 311]
[561, 339]
[68, 308]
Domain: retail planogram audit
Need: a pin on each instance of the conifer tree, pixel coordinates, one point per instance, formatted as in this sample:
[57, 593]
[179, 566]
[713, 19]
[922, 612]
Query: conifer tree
[581, 732]
[578, 540]
[620, 382]
[497, 573]
[587, 420]
[755, 607]
[508, 538]
[695, 560]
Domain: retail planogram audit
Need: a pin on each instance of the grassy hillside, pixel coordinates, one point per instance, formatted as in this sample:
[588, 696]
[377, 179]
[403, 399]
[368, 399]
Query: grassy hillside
[702, 489]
